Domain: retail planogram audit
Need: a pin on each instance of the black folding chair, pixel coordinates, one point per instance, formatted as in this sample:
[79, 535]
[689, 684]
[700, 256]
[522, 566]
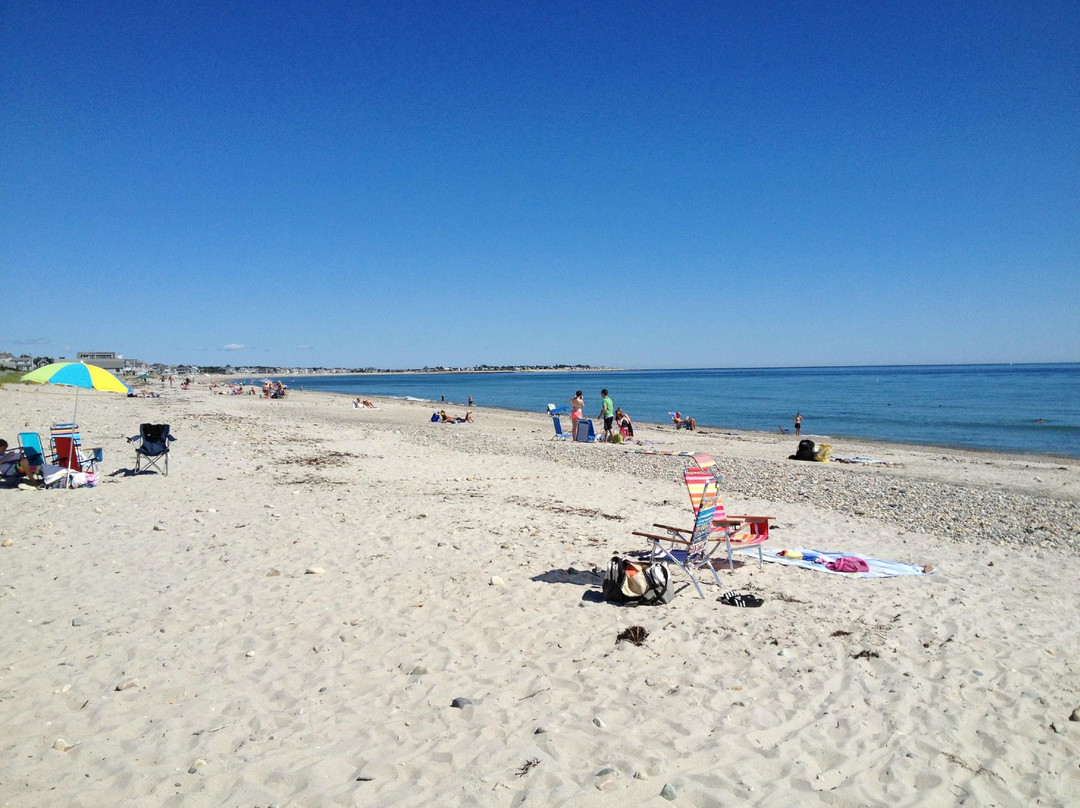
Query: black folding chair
[151, 447]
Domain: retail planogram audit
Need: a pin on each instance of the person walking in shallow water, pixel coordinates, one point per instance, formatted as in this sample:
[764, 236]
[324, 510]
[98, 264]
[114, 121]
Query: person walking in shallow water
[798, 424]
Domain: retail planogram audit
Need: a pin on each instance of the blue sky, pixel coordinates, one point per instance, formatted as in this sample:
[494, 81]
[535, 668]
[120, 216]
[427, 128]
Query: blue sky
[404, 184]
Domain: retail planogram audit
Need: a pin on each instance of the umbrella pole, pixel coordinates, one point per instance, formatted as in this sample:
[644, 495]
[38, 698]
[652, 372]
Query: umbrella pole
[71, 440]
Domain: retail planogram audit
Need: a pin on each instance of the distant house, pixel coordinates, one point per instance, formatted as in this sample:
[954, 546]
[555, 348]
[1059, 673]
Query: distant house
[103, 359]
[21, 364]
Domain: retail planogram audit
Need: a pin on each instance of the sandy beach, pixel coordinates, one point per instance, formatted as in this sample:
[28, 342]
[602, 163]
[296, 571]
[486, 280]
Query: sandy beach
[287, 617]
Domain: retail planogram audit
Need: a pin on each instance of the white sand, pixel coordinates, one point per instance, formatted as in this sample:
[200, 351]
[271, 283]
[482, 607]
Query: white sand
[335, 688]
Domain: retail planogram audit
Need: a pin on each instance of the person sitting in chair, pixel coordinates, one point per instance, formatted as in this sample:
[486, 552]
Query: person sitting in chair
[14, 463]
[684, 423]
[626, 426]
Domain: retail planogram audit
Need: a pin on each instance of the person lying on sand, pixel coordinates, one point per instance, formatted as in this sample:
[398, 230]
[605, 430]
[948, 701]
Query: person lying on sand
[446, 419]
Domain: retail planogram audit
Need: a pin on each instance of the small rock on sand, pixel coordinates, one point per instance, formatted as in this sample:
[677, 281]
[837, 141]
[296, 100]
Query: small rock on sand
[314, 571]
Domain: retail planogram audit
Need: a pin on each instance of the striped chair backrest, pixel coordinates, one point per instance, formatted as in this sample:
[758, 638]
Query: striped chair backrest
[697, 480]
[699, 540]
[65, 431]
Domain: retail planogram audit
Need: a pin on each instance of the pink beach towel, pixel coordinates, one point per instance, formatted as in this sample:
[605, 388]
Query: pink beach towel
[848, 564]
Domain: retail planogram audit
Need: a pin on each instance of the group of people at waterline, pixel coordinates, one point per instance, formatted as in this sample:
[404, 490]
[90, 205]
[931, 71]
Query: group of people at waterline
[615, 417]
[611, 415]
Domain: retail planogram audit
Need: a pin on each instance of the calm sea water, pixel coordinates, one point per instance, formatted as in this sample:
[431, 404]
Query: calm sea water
[1025, 408]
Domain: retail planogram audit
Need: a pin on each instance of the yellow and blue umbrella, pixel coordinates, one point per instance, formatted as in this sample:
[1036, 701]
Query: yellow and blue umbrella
[78, 375]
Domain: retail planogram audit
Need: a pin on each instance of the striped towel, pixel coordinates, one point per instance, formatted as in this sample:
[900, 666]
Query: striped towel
[662, 452]
[878, 567]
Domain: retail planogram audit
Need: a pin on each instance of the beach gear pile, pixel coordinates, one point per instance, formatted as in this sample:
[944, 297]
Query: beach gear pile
[637, 583]
[809, 451]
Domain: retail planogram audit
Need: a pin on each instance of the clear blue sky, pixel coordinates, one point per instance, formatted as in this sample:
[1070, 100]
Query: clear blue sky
[638, 184]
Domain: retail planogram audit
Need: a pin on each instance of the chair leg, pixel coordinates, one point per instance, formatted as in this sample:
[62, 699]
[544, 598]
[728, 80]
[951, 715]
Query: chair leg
[697, 586]
[716, 576]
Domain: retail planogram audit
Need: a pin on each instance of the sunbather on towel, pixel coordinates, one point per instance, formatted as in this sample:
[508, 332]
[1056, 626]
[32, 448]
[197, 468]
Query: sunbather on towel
[684, 423]
[446, 419]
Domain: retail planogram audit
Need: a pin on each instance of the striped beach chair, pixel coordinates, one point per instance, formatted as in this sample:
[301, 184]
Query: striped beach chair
[698, 544]
[67, 448]
[738, 532]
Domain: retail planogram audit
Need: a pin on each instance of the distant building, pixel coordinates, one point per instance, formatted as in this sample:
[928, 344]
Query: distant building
[103, 359]
[20, 364]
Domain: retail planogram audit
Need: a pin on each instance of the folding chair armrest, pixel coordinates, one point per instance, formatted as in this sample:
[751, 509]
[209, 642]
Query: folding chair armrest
[743, 518]
[653, 537]
[673, 529]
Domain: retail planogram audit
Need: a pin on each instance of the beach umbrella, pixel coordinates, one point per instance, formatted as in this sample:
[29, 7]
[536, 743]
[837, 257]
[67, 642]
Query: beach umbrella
[78, 375]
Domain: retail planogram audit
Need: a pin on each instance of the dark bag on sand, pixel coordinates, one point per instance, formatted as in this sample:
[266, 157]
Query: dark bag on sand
[634, 583]
[805, 450]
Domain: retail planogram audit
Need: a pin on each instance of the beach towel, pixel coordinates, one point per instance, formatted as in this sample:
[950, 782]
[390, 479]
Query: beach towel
[866, 461]
[662, 452]
[876, 567]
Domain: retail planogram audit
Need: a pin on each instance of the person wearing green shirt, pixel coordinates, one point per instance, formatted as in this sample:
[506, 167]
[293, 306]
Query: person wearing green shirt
[607, 412]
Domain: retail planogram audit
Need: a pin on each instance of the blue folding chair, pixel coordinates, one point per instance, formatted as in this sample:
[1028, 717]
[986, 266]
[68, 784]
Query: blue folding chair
[151, 447]
[584, 431]
[559, 434]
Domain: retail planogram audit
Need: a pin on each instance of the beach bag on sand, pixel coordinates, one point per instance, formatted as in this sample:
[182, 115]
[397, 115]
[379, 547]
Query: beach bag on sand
[805, 450]
[823, 452]
[634, 583]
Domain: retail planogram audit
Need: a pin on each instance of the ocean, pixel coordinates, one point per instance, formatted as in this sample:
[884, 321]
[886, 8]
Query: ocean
[1021, 408]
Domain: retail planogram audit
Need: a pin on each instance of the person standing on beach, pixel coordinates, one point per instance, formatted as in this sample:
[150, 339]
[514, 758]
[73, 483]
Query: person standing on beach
[607, 412]
[798, 424]
[577, 407]
[470, 401]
